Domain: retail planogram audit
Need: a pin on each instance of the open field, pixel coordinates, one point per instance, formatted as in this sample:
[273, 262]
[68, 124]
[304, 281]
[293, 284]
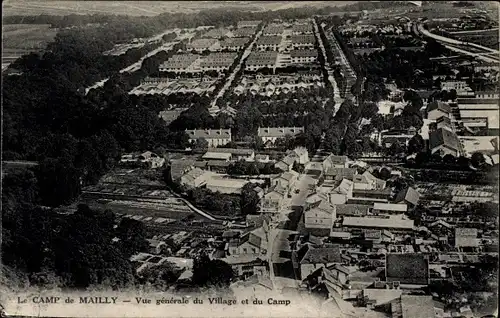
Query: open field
[146, 8]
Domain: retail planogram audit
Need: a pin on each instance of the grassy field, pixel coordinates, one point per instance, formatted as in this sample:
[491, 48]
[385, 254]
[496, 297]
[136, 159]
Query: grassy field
[27, 36]
[146, 8]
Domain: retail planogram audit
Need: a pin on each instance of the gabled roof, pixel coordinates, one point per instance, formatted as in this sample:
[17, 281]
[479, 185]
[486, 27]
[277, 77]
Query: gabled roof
[444, 107]
[322, 255]
[352, 209]
[409, 195]
[444, 137]
[341, 172]
[344, 187]
[323, 206]
[288, 160]
[336, 159]
[233, 151]
[289, 175]
[252, 239]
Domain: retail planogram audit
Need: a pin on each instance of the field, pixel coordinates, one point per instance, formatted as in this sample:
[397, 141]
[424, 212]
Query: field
[488, 38]
[145, 8]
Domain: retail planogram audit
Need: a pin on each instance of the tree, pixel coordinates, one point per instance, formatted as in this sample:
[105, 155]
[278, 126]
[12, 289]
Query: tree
[416, 144]
[449, 159]
[477, 160]
[249, 200]
[207, 272]
[200, 144]
[132, 235]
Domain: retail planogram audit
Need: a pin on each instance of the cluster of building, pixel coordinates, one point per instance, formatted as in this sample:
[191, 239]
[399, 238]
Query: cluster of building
[168, 86]
[275, 84]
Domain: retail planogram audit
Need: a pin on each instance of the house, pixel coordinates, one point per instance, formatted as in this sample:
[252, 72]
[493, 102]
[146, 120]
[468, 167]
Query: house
[303, 41]
[376, 297]
[340, 173]
[262, 158]
[302, 155]
[251, 243]
[438, 109]
[333, 161]
[334, 279]
[407, 268]
[234, 44]
[217, 61]
[444, 142]
[257, 220]
[214, 137]
[416, 306]
[178, 167]
[285, 180]
[311, 258]
[393, 223]
[409, 196]
[273, 29]
[286, 164]
[226, 185]
[342, 192]
[302, 29]
[370, 196]
[389, 208]
[367, 181]
[466, 238]
[156, 246]
[219, 156]
[273, 201]
[245, 265]
[258, 283]
[195, 178]
[234, 154]
[320, 215]
[269, 135]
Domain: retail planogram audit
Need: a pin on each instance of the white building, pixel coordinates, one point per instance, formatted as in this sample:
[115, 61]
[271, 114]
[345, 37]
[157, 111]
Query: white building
[214, 137]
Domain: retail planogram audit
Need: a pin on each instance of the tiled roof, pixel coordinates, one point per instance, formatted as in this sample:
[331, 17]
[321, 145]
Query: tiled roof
[289, 175]
[201, 43]
[269, 40]
[217, 155]
[322, 255]
[409, 195]
[252, 239]
[209, 133]
[341, 172]
[304, 53]
[443, 137]
[409, 268]
[344, 187]
[444, 107]
[352, 209]
[257, 58]
[303, 39]
[337, 159]
[229, 42]
[378, 222]
[279, 131]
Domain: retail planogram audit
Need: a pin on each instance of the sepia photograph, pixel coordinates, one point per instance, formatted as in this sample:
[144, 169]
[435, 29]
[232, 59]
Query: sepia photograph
[242, 159]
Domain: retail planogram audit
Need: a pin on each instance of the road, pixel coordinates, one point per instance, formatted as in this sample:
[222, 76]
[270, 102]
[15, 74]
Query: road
[474, 31]
[336, 93]
[231, 77]
[450, 42]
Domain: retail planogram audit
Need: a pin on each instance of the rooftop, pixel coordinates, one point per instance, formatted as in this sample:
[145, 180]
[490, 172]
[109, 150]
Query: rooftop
[352, 209]
[408, 268]
[444, 137]
[390, 207]
[394, 222]
[233, 151]
[322, 255]
[279, 131]
[209, 133]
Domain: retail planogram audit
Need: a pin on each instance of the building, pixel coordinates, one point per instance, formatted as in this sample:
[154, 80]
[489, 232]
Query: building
[459, 86]
[367, 181]
[409, 196]
[352, 210]
[285, 180]
[273, 29]
[444, 142]
[479, 113]
[226, 186]
[443, 122]
[268, 42]
[200, 45]
[269, 135]
[258, 60]
[217, 62]
[437, 109]
[407, 268]
[487, 95]
[417, 306]
[235, 154]
[180, 63]
[298, 29]
[342, 192]
[147, 158]
[195, 178]
[311, 258]
[389, 208]
[320, 215]
[286, 164]
[214, 137]
[251, 24]
[251, 243]
[301, 155]
[466, 238]
[303, 56]
[273, 201]
[333, 161]
[244, 32]
[340, 173]
[303, 41]
[216, 33]
[393, 223]
[234, 44]
[223, 157]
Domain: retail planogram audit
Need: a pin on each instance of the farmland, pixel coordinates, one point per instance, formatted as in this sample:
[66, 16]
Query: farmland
[486, 38]
[20, 39]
